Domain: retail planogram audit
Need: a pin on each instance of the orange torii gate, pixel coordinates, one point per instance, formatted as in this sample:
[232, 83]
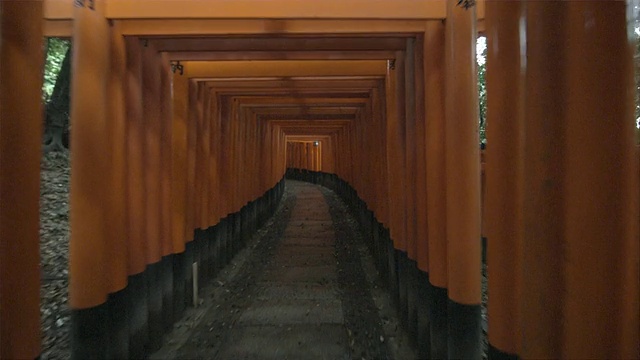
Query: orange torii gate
[560, 212]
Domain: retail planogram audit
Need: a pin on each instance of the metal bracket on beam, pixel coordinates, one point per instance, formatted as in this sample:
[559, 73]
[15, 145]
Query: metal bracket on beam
[391, 64]
[176, 66]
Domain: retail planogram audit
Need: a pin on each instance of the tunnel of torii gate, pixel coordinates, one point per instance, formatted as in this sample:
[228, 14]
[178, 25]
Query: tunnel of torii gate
[186, 116]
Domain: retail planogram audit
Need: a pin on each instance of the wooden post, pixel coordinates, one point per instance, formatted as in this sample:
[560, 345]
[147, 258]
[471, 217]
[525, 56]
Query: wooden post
[602, 211]
[90, 181]
[117, 153]
[504, 177]
[179, 161]
[434, 68]
[543, 247]
[166, 170]
[463, 183]
[20, 152]
[116, 202]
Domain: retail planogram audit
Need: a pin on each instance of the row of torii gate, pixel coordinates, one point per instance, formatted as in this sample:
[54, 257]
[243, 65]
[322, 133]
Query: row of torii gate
[182, 111]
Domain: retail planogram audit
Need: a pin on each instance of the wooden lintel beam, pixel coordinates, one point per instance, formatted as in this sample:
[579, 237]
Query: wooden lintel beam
[205, 70]
[177, 17]
[262, 111]
[281, 44]
[58, 28]
[300, 84]
[279, 55]
[335, 93]
[268, 95]
[276, 9]
[319, 117]
[295, 100]
[280, 27]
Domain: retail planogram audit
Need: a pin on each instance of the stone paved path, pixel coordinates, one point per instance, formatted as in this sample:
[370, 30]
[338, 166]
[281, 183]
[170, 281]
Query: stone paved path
[297, 313]
[297, 292]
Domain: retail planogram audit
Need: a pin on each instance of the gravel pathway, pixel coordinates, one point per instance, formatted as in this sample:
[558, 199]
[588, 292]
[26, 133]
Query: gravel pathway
[54, 250]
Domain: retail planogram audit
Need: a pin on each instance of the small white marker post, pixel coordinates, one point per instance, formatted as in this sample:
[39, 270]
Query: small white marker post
[194, 269]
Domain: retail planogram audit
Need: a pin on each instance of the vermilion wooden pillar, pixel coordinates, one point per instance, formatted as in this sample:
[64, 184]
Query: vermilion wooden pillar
[20, 152]
[116, 202]
[135, 155]
[601, 185]
[463, 183]
[434, 68]
[166, 171]
[179, 160]
[90, 181]
[136, 211]
[504, 174]
[543, 209]
[152, 138]
[116, 155]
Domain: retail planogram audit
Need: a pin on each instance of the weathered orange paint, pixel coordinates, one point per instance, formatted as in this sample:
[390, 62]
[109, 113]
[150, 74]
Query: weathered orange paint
[214, 176]
[58, 28]
[274, 55]
[135, 158]
[503, 224]
[462, 157]
[600, 207]
[435, 146]
[116, 134]
[410, 151]
[203, 153]
[88, 271]
[190, 27]
[166, 170]
[59, 10]
[191, 160]
[543, 245]
[180, 92]
[279, 9]
[20, 143]
[395, 130]
[151, 95]
[230, 69]
[422, 230]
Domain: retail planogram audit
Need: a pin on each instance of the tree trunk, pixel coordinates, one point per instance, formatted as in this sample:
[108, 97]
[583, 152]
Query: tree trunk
[56, 134]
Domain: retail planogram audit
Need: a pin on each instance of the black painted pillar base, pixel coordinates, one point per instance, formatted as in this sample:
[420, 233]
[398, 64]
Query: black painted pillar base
[383, 250]
[412, 299]
[497, 354]
[223, 235]
[179, 284]
[423, 335]
[188, 265]
[118, 324]
[215, 250]
[439, 328]
[375, 245]
[392, 272]
[154, 300]
[465, 331]
[90, 333]
[167, 293]
[138, 316]
[402, 265]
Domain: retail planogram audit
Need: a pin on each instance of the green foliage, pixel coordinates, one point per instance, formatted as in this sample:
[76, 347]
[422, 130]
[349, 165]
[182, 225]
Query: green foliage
[636, 59]
[482, 89]
[56, 49]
